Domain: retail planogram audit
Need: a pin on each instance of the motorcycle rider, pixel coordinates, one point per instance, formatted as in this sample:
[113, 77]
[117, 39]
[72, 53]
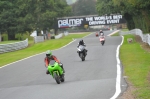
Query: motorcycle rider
[101, 33]
[50, 57]
[81, 42]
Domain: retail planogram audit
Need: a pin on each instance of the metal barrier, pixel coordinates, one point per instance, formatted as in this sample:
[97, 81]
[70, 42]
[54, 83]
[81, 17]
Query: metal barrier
[22, 44]
[41, 38]
[59, 36]
[145, 37]
[13, 46]
[38, 39]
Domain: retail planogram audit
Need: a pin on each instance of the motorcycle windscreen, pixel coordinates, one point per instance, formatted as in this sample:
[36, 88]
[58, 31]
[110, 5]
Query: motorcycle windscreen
[52, 62]
[81, 47]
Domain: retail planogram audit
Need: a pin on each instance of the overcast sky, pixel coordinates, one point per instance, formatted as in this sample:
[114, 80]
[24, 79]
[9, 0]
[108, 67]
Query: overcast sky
[70, 1]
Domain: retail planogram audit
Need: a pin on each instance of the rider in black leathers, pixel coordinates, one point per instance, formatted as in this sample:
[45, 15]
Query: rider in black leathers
[81, 42]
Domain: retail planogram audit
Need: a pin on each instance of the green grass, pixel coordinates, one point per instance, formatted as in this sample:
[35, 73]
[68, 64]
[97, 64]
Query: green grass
[136, 63]
[33, 49]
[6, 42]
[124, 29]
[117, 33]
[14, 41]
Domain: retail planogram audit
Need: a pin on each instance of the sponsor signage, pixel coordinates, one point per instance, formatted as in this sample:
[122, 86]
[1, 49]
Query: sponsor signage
[90, 21]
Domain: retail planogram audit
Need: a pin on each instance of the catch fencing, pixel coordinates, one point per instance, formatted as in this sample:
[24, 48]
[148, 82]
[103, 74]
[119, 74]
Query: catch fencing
[145, 37]
[13, 46]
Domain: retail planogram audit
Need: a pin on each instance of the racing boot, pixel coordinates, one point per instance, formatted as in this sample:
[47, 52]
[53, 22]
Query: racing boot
[85, 52]
[47, 72]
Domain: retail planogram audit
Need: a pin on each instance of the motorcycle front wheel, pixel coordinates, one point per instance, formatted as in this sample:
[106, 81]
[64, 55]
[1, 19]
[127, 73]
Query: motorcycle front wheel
[83, 59]
[82, 56]
[102, 42]
[62, 79]
[56, 78]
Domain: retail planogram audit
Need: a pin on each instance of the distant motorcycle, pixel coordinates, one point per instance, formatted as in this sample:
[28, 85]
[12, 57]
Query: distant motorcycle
[56, 71]
[102, 39]
[81, 51]
[96, 34]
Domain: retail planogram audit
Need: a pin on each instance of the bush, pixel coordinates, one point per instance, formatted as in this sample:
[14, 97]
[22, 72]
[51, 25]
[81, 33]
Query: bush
[4, 37]
[18, 36]
[52, 37]
[23, 36]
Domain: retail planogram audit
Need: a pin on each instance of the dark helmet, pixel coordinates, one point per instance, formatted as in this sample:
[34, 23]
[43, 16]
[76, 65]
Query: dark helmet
[48, 53]
[81, 40]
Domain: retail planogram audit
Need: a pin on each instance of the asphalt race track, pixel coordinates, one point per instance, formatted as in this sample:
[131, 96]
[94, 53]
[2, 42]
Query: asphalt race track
[94, 78]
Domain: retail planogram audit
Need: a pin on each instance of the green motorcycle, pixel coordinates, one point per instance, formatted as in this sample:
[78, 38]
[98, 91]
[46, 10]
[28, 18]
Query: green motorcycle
[56, 71]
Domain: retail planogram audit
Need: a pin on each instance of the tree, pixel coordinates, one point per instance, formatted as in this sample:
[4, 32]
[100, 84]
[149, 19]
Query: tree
[84, 7]
[8, 18]
[19, 16]
[136, 12]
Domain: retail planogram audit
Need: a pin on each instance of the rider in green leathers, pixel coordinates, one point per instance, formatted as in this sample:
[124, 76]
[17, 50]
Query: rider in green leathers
[50, 57]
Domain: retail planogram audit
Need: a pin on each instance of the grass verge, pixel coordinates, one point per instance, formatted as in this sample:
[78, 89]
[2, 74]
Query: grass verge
[136, 65]
[33, 49]
[117, 33]
[11, 41]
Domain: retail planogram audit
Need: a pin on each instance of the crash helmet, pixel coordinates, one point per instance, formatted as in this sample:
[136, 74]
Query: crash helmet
[48, 53]
[81, 40]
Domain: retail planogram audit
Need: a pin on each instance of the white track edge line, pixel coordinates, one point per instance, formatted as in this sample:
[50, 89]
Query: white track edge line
[118, 79]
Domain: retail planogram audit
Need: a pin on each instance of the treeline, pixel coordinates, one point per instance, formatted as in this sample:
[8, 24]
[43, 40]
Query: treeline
[84, 7]
[71, 1]
[136, 12]
[20, 16]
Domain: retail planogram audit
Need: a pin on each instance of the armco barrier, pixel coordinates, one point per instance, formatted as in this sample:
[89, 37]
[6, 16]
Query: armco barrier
[59, 36]
[148, 40]
[22, 44]
[41, 38]
[145, 37]
[38, 39]
[65, 33]
[13, 46]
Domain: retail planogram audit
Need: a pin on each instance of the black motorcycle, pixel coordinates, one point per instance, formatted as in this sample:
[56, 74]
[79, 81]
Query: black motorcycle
[82, 52]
